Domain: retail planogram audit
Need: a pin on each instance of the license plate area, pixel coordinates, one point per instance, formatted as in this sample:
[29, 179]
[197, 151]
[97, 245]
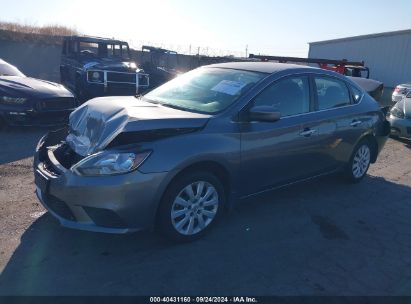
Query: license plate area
[41, 181]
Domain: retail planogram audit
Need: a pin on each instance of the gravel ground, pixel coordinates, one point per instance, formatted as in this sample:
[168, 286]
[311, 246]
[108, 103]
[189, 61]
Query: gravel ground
[324, 237]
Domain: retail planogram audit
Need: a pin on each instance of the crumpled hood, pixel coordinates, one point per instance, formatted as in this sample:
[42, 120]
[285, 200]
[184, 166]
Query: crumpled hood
[97, 122]
[18, 86]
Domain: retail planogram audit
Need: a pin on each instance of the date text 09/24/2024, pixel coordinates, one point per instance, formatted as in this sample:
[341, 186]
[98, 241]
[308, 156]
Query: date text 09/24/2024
[203, 300]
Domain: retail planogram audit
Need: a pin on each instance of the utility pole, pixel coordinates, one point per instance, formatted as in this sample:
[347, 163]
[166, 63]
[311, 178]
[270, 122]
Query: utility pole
[246, 51]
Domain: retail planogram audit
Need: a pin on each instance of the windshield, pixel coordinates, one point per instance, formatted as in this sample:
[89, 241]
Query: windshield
[9, 70]
[104, 50]
[356, 72]
[206, 90]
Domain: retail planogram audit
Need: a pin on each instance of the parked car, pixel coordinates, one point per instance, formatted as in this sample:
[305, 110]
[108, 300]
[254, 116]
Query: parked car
[92, 67]
[400, 118]
[161, 64]
[373, 87]
[179, 155]
[400, 92]
[28, 101]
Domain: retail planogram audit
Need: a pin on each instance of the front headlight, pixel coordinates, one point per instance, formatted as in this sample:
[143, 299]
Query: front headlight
[95, 76]
[110, 163]
[12, 100]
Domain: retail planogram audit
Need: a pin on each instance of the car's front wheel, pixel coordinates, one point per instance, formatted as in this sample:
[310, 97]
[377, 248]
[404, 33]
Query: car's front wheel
[359, 162]
[190, 206]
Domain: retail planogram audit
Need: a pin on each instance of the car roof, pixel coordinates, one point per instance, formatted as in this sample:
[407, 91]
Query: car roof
[94, 39]
[262, 67]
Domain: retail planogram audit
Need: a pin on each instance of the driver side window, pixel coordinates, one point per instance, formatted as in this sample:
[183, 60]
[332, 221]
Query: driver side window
[290, 96]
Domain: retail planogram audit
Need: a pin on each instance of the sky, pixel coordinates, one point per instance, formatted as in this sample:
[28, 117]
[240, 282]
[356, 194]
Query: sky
[217, 27]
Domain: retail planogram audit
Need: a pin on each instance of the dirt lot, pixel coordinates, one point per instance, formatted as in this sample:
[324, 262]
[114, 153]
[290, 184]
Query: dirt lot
[324, 237]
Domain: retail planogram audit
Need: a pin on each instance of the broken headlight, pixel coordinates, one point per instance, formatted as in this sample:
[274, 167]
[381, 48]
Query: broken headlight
[110, 163]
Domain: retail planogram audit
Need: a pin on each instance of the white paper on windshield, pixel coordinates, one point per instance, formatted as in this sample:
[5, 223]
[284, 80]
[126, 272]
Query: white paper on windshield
[229, 87]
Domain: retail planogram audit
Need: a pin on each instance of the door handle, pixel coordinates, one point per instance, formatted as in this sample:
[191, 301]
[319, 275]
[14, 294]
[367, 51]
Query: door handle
[307, 132]
[355, 123]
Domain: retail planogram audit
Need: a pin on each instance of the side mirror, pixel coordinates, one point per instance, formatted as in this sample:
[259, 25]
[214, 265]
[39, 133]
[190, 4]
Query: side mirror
[264, 113]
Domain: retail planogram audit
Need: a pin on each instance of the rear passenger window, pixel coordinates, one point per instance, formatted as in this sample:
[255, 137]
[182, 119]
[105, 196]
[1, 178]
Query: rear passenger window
[332, 93]
[289, 96]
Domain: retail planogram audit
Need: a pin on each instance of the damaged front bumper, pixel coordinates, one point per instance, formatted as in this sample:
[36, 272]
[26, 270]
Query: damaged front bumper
[112, 204]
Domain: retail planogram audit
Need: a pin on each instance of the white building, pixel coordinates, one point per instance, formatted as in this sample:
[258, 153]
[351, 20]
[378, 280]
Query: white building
[388, 55]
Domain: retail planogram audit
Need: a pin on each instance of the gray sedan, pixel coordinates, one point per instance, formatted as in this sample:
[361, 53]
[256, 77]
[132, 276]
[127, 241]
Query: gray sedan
[177, 157]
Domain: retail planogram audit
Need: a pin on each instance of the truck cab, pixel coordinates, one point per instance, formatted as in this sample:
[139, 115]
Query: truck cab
[93, 66]
[357, 71]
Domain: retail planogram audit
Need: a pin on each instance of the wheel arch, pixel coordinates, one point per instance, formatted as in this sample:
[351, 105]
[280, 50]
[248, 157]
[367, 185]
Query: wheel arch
[216, 168]
[374, 145]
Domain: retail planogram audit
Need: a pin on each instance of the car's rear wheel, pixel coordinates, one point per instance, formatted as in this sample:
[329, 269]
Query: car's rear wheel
[359, 162]
[190, 206]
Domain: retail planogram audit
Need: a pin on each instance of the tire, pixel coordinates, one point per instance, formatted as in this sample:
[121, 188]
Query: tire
[180, 210]
[360, 161]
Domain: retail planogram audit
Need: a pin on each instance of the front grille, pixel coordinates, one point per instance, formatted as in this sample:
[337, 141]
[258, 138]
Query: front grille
[59, 207]
[61, 103]
[121, 77]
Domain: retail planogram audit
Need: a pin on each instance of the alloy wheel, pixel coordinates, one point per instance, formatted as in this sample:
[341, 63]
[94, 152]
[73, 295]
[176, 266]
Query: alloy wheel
[361, 161]
[194, 208]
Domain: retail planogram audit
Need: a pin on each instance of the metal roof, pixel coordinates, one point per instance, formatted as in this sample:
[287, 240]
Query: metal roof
[92, 39]
[262, 67]
[392, 33]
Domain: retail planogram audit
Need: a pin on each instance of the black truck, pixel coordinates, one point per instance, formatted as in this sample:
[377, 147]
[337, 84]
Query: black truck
[94, 66]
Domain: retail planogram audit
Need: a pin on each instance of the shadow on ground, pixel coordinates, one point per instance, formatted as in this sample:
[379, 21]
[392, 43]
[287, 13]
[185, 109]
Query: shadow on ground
[406, 142]
[319, 238]
[19, 142]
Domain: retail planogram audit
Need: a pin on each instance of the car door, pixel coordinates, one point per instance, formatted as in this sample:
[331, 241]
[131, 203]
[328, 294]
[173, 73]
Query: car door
[338, 116]
[71, 63]
[275, 153]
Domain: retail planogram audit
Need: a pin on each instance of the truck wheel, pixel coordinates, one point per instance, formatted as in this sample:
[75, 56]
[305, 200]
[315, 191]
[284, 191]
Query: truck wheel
[191, 206]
